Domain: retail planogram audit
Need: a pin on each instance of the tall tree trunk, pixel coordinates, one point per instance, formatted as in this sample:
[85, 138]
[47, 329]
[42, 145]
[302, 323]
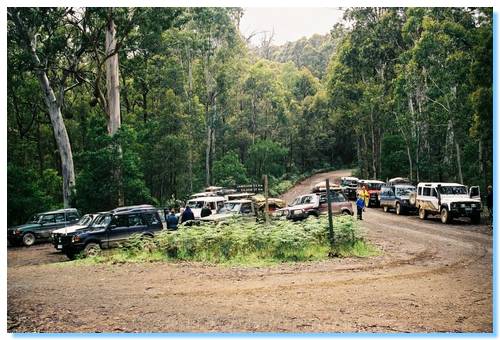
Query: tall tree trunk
[113, 94]
[207, 155]
[61, 137]
[54, 108]
[112, 79]
[459, 164]
[374, 159]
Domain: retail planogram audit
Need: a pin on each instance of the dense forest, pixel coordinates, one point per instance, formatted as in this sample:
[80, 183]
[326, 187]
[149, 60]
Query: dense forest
[135, 105]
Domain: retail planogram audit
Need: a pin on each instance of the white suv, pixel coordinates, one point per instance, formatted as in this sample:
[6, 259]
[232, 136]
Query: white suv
[449, 200]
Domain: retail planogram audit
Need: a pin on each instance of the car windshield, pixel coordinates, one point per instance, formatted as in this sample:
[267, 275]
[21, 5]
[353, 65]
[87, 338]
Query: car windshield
[348, 183]
[195, 204]
[374, 186]
[101, 221]
[85, 220]
[404, 191]
[230, 207]
[452, 190]
[34, 219]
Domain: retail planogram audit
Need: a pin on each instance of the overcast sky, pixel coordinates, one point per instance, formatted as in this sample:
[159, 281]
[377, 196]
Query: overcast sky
[289, 23]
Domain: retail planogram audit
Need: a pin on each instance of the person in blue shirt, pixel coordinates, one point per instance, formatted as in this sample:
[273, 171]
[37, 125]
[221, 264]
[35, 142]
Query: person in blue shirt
[360, 205]
[172, 221]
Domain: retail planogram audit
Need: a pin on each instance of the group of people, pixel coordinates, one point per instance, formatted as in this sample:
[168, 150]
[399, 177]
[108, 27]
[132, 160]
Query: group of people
[361, 201]
[173, 221]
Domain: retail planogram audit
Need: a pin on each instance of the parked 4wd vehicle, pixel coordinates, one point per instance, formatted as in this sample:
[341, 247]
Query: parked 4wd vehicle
[39, 226]
[234, 208]
[349, 186]
[449, 200]
[303, 207]
[397, 197]
[316, 204]
[109, 230]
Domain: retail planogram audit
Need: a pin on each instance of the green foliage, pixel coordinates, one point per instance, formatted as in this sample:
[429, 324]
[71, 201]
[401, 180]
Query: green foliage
[394, 158]
[266, 157]
[30, 193]
[98, 183]
[229, 171]
[239, 242]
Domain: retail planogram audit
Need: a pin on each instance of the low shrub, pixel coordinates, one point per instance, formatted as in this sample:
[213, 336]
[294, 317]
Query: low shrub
[247, 242]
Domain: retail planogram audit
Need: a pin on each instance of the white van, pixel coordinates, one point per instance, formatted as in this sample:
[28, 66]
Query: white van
[215, 203]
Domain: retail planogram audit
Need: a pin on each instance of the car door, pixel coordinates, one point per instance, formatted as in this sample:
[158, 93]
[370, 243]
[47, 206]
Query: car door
[474, 193]
[152, 222]
[117, 230]
[49, 223]
[434, 200]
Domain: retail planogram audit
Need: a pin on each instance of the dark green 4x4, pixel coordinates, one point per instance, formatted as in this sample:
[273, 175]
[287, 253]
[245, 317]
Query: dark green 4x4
[109, 229]
[39, 226]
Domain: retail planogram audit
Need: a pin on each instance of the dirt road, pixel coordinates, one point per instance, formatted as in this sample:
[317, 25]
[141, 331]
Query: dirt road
[430, 278]
[306, 185]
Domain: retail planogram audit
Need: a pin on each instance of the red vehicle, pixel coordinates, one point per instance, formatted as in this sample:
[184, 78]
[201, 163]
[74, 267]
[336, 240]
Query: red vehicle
[373, 186]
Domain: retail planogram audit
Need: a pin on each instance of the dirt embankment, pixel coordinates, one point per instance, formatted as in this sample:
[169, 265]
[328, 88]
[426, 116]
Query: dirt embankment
[430, 277]
[305, 186]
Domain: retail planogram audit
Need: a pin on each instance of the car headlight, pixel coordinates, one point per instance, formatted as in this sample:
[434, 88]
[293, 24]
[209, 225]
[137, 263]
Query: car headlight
[75, 238]
[462, 205]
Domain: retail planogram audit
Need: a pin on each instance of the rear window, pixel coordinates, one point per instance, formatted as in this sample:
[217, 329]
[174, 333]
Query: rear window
[427, 191]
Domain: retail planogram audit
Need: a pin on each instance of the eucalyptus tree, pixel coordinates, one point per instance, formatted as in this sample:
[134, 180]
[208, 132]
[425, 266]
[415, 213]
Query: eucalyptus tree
[53, 49]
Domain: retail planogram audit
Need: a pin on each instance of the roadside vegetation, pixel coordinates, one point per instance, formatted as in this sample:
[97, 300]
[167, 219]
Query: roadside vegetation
[245, 243]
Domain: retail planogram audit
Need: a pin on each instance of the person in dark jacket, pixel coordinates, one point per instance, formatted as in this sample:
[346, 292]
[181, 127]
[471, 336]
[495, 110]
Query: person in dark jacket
[187, 215]
[489, 202]
[205, 211]
[172, 221]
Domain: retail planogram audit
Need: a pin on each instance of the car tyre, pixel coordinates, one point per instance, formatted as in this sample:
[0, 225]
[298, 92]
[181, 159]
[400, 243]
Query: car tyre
[445, 216]
[29, 239]
[398, 208]
[91, 249]
[422, 214]
[386, 208]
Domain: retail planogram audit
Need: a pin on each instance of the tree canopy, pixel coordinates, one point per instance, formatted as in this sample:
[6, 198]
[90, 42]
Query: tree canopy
[390, 92]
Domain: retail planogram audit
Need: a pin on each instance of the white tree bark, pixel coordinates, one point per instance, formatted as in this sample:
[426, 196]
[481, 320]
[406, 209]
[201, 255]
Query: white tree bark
[56, 118]
[112, 80]
[61, 136]
[113, 94]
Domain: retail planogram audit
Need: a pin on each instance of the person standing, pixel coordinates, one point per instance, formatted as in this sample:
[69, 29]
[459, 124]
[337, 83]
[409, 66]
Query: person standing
[489, 202]
[172, 221]
[365, 195]
[187, 214]
[205, 211]
[360, 205]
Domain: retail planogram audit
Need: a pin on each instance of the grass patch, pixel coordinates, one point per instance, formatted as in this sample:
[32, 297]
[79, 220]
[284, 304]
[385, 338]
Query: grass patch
[245, 243]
